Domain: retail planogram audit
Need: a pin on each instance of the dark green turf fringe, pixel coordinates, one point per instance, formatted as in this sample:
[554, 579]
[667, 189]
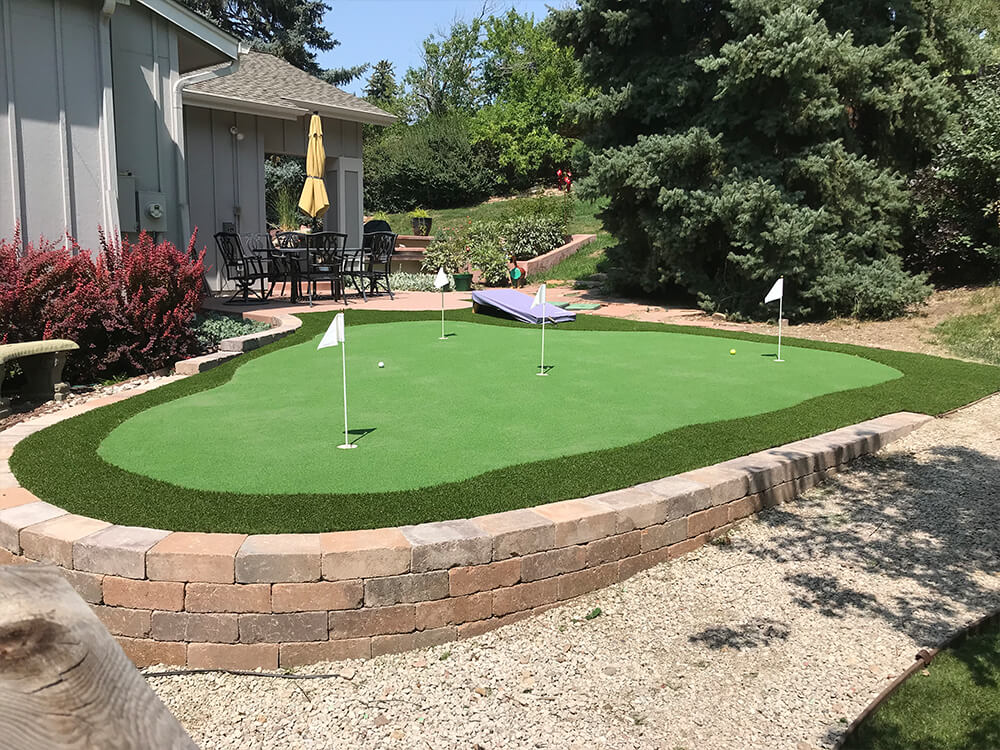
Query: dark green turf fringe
[60, 463]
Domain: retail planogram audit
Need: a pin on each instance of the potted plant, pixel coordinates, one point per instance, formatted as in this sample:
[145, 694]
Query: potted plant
[285, 209]
[421, 222]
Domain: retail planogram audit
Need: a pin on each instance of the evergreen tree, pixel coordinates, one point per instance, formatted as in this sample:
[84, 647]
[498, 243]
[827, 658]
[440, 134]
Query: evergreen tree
[381, 88]
[747, 139]
[290, 29]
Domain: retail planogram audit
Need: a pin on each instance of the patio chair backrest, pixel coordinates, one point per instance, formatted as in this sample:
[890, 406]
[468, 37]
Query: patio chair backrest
[230, 247]
[381, 246]
[290, 239]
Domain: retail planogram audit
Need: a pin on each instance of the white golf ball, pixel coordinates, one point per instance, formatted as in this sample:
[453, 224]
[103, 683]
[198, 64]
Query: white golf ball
[381, 364]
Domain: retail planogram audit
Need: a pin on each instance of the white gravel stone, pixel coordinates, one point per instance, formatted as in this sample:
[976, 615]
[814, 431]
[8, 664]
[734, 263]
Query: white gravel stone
[774, 641]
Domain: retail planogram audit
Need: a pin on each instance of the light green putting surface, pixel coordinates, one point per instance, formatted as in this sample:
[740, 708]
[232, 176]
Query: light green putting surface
[441, 411]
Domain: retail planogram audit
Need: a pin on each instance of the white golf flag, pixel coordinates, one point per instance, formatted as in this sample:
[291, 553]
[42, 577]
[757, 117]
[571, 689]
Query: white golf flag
[334, 334]
[539, 298]
[441, 280]
[777, 291]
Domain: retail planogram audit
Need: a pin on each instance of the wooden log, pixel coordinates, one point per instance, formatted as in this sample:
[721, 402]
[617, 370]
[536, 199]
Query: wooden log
[64, 681]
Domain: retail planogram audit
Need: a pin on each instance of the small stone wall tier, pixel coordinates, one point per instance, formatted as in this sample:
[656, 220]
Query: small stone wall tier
[281, 326]
[282, 600]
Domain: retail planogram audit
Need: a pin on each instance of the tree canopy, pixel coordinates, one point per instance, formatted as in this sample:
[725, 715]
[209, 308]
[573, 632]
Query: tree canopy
[290, 29]
[744, 140]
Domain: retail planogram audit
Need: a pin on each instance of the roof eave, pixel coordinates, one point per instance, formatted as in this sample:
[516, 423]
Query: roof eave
[344, 113]
[196, 25]
[245, 106]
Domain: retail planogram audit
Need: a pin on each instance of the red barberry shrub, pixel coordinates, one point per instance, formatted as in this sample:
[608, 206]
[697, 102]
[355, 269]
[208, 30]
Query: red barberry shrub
[158, 289]
[130, 311]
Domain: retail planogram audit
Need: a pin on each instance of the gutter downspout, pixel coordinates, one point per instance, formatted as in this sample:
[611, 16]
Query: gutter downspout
[183, 207]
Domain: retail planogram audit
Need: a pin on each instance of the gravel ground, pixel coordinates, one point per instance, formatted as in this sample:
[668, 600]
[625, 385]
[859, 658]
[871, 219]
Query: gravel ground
[774, 640]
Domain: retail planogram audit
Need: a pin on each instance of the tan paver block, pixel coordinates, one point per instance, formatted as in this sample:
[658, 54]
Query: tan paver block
[663, 535]
[525, 596]
[706, 520]
[800, 461]
[233, 656]
[632, 565]
[297, 626]
[129, 592]
[227, 597]
[580, 521]
[517, 532]
[14, 496]
[146, 652]
[552, 563]
[194, 627]
[272, 558]
[303, 654]
[133, 623]
[406, 589]
[764, 470]
[470, 579]
[372, 621]
[394, 644]
[364, 554]
[116, 550]
[52, 540]
[721, 485]
[744, 507]
[454, 610]
[447, 544]
[584, 581]
[613, 548]
[688, 545]
[12, 520]
[635, 508]
[309, 597]
[87, 585]
[188, 556]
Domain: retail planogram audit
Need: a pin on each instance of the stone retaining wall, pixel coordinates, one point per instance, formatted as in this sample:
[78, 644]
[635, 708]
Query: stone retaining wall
[281, 326]
[270, 600]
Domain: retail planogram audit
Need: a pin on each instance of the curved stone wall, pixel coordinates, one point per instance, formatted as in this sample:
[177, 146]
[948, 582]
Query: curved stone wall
[270, 600]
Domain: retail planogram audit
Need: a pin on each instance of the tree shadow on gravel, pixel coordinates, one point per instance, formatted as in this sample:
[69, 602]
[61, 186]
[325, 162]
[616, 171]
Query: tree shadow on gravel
[760, 631]
[930, 523]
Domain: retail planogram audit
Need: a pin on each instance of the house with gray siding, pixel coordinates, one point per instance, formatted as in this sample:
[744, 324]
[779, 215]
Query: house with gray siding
[140, 115]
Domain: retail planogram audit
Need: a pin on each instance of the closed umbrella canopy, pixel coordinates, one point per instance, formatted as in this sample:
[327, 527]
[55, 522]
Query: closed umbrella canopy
[314, 200]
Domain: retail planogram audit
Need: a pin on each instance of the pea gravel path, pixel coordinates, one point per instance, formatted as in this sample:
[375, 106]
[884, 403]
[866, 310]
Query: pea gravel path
[775, 640]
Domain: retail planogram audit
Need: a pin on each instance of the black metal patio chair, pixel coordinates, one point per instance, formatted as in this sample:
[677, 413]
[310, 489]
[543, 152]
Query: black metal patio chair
[378, 248]
[324, 262]
[241, 268]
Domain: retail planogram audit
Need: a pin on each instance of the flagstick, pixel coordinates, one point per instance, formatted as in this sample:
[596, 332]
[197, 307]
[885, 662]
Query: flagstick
[781, 303]
[542, 366]
[443, 337]
[343, 356]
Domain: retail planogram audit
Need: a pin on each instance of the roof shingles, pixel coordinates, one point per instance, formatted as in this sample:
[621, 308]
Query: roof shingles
[269, 80]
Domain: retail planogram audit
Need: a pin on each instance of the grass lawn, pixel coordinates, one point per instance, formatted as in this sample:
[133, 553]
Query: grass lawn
[446, 411]
[975, 335]
[955, 705]
[584, 221]
[463, 427]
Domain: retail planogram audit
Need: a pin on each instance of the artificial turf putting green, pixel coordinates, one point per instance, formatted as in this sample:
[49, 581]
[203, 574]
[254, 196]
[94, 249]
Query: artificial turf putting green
[444, 411]
[61, 465]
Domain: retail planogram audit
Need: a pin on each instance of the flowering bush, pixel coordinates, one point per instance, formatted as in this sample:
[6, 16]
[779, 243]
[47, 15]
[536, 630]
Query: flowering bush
[131, 310]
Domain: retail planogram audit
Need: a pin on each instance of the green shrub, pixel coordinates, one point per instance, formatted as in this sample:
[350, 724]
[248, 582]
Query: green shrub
[431, 162]
[417, 282]
[489, 252]
[448, 250]
[879, 290]
[530, 236]
[212, 327]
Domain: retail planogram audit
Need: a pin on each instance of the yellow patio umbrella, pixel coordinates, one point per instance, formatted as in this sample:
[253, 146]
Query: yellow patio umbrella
[314, 200]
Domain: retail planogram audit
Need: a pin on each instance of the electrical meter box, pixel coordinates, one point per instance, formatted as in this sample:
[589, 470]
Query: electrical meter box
[152, 211]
